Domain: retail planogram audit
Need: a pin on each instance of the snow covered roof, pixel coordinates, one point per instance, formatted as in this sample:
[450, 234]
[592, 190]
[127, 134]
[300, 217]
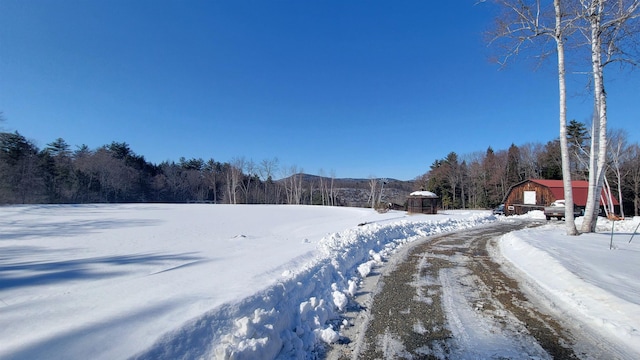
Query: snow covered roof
[428, 194]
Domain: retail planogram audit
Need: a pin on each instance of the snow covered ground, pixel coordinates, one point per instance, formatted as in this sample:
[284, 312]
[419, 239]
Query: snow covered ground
[195, 280]
[592, 278]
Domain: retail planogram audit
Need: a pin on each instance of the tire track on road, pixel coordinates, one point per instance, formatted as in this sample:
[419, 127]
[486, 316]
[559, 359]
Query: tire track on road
[448, 299]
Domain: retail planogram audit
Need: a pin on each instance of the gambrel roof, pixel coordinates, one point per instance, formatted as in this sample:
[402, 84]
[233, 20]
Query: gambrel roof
[580, 190]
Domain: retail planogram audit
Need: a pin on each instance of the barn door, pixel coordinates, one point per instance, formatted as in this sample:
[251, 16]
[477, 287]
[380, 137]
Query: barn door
[530, 198]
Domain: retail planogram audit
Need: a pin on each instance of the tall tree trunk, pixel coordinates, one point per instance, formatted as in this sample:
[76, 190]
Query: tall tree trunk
[564, 147]
[636, 198]
[599, 127]
[372, 192]
[382, 181]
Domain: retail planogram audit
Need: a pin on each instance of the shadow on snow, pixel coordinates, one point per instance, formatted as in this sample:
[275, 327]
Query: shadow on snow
[37, 273]
[17, 230]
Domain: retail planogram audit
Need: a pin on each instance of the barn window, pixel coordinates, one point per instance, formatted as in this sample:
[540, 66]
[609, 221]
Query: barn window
[530, 197]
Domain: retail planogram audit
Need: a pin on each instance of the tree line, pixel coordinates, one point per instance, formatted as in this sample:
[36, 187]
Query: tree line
[482, 179]
[114, 173]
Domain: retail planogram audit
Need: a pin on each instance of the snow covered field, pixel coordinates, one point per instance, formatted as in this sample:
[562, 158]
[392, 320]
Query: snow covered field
[187, 281]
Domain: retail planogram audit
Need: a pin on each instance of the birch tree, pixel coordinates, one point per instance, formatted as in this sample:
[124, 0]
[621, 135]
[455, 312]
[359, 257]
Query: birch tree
[323, 187]
[297, 187]
[234, 177]
[293, 184]
[332, 194]
[382, 183]
[611, 29]
[525, 22]
[373, 183]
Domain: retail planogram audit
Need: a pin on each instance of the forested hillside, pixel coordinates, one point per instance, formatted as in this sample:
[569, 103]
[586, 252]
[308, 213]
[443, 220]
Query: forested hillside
[115, 173]
[482, 179]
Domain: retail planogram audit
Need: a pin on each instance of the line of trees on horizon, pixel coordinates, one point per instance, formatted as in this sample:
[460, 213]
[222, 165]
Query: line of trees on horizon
[114, 173]
[482, 180]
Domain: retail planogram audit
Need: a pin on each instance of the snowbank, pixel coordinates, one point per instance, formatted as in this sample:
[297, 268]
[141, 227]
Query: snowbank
[303, 308]
[583, 277]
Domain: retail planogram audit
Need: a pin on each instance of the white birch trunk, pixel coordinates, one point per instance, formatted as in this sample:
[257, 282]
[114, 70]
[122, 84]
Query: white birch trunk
[564, 147]
[616, 159]
[372, 193]
[322, 187]
[599, 126]
[620, 196]
[382, 181]
[331, 194]
[608, 201]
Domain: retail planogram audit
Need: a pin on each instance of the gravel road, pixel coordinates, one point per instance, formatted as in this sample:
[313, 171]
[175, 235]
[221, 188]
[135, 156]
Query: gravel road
[446, 297]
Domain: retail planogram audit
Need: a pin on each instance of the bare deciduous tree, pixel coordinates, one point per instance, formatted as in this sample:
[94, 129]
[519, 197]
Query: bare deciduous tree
[292, 178]
[383, 182]
[332, 194]
[618, 152]
[633, 168]
[611, 29]
[373, 184]
[266, 170]
[234, 177]
[249, 172]
[527, 21]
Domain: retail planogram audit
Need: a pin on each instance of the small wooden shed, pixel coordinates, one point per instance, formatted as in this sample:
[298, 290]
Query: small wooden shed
[422, 202]
[535, 194]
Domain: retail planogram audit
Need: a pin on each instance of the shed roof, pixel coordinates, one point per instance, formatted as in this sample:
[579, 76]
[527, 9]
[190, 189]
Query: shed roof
[580, 190]
[427, 194]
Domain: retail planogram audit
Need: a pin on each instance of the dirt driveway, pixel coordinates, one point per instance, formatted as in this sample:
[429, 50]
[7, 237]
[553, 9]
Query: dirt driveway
[447, 298]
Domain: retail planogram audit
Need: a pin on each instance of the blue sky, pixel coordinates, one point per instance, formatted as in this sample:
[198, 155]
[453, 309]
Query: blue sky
[360, 88]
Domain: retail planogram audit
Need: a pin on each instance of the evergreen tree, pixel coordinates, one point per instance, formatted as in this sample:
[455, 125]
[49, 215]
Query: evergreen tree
[451, 169]
[492, 179]
[551, 161]
[58, 172]
[578, 139]
[20, 173]
[514, 173]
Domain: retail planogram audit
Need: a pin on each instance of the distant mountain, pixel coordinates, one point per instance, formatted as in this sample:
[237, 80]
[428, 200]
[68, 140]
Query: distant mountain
[356, 192]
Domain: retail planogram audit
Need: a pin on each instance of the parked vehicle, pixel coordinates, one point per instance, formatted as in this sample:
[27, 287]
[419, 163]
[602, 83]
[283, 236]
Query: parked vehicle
[499, 210]
[556, 210]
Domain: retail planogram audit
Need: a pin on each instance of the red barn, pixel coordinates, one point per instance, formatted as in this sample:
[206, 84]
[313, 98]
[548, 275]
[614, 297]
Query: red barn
[535, 194]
